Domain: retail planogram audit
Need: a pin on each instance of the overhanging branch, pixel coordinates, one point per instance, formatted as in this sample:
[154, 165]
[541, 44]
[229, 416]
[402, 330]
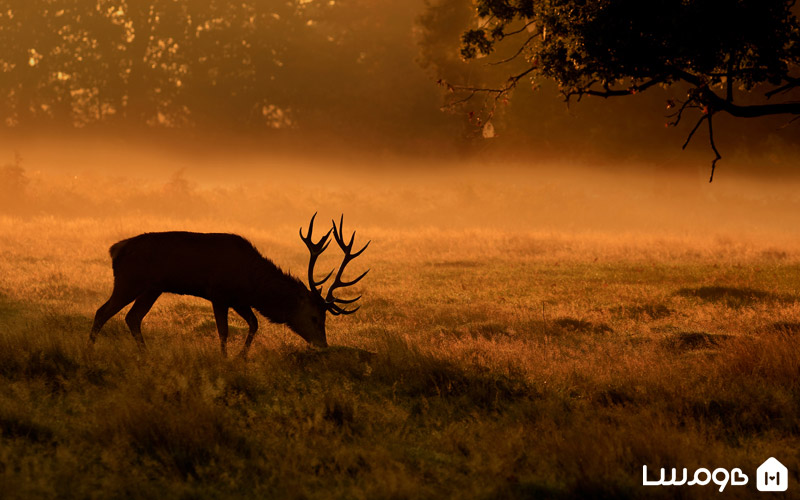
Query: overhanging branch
[717, 103]
[713, 147]
[518, 52]
[791, 84]
[498, 92]
[696, 126]
[609, 92]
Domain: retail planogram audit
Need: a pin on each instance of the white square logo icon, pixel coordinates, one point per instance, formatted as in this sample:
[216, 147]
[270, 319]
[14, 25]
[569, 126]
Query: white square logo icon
[772, 476]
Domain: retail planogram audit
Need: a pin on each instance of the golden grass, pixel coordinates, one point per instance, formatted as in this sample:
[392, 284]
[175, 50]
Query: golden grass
[507, 363]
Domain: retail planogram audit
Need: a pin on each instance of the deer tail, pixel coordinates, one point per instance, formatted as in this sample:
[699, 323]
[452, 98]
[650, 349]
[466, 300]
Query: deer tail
[116, 248]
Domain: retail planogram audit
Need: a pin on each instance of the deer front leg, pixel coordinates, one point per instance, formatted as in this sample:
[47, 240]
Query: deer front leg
[221, 317]
[247, 314]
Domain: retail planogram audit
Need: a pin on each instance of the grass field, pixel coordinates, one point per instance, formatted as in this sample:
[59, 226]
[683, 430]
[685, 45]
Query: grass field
[509, 360]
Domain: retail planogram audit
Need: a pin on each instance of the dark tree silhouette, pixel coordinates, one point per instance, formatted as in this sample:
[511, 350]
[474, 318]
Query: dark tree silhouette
[737, 57]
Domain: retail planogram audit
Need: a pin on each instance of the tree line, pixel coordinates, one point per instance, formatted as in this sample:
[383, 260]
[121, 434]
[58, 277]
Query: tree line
[167, 63]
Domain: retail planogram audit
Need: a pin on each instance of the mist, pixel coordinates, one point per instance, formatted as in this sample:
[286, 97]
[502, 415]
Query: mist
[240, 189]
[262, 114]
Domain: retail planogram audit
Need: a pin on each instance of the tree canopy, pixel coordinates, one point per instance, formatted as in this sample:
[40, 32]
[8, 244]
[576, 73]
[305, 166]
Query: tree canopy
[738, 57]
[252, 64]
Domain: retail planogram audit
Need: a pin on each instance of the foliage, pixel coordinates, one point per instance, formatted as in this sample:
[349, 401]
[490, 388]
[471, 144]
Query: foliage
[160, 63]
[722, 52]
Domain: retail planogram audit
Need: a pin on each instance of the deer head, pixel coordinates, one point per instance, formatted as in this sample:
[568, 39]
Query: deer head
[308, 319]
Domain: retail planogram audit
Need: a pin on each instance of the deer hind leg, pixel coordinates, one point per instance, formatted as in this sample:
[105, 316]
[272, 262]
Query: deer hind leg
[221, 317]
[113, 305]
[137, 313]
[247, 314]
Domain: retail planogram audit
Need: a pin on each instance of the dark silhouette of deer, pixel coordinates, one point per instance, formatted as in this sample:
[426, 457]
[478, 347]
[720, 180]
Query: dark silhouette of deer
[227, 270]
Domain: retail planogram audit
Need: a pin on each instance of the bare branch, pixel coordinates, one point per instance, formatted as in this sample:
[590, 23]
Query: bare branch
[609, 92]
[792, 83]
[713, 147]
[486, 22]
[697, 126]
[710, 140]
[516, 32]
[689, 103]
[707, 96]
[519, 51]
[511, 83]
[472, 93]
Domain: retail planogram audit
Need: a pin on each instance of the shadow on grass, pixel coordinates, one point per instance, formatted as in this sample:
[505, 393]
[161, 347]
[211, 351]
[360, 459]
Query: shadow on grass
[594, 488]
[572, 325]
[488, 330]
[411, 372]
[615, 396]
[49, 351]
[558, 327]
[566, 326]
[736, 416]
[642, 311]
[20, 424]
[690, 341]
[349, 361]
[184, 436]
[733, 297]
[8, 307]
[785, 328]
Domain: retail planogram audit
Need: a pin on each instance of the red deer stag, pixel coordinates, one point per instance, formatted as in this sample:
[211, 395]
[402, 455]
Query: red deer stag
[228, 271]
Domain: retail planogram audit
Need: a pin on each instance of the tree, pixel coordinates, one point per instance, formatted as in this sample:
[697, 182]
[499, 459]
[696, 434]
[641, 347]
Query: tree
[253, 65]
[739, 57]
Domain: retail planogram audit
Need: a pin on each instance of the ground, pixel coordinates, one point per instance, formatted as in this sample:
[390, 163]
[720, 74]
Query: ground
[487, 361]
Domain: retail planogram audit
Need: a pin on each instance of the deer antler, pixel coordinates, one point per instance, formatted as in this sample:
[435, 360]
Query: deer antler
[337, 281]
[316, 250]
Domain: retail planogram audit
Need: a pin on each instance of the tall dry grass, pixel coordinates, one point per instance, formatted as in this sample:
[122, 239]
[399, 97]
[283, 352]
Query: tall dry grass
[501, 362]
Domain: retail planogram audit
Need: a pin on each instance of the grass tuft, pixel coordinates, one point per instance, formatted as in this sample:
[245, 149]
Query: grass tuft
[642, 312]
[689, 341]
[733, 297]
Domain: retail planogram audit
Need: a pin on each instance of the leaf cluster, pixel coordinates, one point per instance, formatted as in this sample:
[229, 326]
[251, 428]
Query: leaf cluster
[582, 42]
[725, 51]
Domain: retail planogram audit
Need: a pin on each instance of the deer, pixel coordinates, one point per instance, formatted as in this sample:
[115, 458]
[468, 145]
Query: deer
[227, 270]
